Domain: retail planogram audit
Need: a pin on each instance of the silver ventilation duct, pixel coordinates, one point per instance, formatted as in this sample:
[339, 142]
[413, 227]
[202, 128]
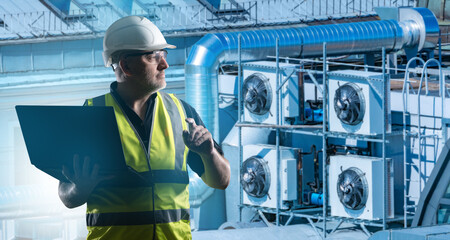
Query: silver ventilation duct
[410, 28]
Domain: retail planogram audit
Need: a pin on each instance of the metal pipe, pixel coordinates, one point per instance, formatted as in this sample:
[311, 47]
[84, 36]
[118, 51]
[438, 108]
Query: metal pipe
[239, 121]
[385, 123]
[324, 140]
[278, 113]
[348, 38]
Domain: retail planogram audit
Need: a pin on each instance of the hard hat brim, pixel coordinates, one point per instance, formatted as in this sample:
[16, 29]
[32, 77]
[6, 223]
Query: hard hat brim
[107, 56]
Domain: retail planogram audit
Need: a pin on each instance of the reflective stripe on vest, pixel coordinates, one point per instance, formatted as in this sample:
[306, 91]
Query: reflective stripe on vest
[166, 157]
[136, 218]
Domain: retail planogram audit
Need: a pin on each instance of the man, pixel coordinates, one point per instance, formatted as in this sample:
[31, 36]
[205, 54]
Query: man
[160, 136]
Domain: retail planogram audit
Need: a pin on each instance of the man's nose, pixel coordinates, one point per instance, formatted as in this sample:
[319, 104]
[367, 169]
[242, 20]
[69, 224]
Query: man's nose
[163, 64]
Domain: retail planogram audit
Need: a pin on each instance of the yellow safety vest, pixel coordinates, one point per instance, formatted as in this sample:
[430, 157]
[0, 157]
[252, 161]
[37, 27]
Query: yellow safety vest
[127, 212]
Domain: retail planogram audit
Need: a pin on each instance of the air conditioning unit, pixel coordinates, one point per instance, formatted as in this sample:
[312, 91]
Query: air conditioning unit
[259, 92]
[259, 176]
[356, 188]
[355, 102]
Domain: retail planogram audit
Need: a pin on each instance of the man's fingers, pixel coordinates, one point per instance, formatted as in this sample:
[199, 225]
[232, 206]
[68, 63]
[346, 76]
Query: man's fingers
[95, 170]
[76, 165]
[198, 132]
[191, 123]
[186, 137]
[105, 178]
[202, 139]
[86, 166]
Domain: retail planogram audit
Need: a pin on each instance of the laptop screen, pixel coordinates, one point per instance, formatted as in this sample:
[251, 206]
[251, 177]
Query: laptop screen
[54, 134]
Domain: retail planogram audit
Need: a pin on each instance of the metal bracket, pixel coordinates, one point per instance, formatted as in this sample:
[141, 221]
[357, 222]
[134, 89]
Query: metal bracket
[377, 86]
[363, 227]
[261, 215]
[310, 74]
[285, 80]
[314, 227]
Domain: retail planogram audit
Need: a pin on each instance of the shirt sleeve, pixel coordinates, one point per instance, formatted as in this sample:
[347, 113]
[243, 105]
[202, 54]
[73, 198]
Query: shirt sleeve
[193, 159]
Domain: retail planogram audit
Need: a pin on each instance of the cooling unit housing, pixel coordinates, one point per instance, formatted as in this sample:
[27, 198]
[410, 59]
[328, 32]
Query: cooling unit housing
[355, 102]
[259, 92]
[356, 189]
[258, 176]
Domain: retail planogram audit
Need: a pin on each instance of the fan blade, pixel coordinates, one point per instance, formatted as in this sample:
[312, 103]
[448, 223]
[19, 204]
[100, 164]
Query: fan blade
[342, 187]
[343, 114]
[355, 111]
[347, 199]
[359, 194]
[354, 202]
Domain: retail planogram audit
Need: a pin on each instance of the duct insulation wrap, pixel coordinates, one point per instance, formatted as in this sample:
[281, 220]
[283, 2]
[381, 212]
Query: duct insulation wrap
[208, 53]
[30, 201]
[198, 190]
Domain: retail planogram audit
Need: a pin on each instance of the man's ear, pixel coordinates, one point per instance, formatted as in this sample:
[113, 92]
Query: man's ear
[124, 65]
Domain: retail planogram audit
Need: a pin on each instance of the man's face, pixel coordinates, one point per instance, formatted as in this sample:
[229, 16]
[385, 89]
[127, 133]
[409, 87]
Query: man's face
[148, 69]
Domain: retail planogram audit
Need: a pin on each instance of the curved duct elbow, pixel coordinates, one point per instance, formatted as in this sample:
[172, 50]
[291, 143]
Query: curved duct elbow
[202, 64]
[198, 190]
[422, 26]
[411, 33]
[414, 30]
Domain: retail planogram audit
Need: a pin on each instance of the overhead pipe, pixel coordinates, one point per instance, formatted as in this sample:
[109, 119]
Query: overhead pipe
[411, 28]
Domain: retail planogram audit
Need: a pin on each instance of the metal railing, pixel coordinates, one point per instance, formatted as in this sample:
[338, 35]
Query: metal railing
[96, 18]
[418, 133]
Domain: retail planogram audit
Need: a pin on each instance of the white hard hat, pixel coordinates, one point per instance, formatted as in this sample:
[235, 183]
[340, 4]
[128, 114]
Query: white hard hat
[132, 33]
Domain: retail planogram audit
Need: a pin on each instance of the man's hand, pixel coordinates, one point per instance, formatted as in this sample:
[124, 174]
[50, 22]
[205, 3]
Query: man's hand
[198, 139]
[217, 168]
[83, 180]
[84, 175]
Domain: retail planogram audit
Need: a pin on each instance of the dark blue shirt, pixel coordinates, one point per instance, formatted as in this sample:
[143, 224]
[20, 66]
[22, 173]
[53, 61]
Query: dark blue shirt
[143, 127]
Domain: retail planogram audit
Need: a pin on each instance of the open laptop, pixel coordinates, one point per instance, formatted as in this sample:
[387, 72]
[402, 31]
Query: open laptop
[53, 134]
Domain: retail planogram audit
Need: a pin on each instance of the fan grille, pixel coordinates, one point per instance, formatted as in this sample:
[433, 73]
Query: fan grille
[255, 177]
[352, 188]
[349, 104]
[257, 94]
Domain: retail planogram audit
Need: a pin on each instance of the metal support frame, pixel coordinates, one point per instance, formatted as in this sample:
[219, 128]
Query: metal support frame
[315, 228]
[316, 214]
[261, 215]
[324, 140]
[239, 121]
[291, 217]
[309, 130]
[363, 227]
[337, 226]
[384, 107]
[277, 73]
